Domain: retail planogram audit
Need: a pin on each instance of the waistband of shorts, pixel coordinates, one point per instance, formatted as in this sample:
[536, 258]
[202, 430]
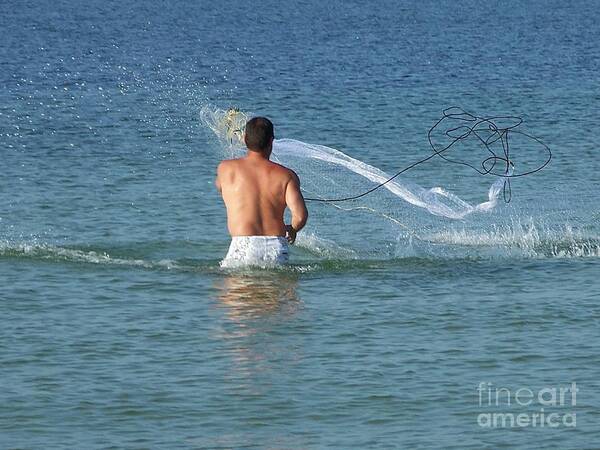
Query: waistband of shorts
[258, 238]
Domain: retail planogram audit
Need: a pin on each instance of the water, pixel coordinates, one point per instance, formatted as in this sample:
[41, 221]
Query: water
[118, 328]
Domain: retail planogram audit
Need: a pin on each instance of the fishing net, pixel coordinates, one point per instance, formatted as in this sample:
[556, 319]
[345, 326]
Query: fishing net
[394, 210]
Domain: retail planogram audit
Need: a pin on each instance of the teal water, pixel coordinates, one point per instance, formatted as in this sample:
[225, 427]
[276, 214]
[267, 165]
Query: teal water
[118, 329]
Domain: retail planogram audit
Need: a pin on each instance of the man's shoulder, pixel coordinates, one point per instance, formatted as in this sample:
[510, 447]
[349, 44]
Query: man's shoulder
[227, 163]
[284, 171]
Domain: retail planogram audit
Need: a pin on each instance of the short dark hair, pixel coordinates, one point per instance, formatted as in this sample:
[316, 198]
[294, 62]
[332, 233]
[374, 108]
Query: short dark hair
[258, 133]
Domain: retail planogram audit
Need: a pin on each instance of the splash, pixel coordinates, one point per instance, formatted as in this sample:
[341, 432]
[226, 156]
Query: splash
[517, 237]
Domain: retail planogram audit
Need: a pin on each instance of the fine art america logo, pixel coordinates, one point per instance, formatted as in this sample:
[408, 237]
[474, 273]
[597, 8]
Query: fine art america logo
[509, 408]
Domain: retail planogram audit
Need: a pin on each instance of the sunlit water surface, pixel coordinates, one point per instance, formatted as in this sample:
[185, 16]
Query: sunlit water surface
[118, 329]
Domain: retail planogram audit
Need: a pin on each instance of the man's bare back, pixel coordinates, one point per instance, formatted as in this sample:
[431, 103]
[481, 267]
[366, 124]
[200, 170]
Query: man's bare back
[256, 192]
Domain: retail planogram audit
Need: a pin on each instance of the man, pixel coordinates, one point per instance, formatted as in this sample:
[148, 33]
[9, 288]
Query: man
[256, 192]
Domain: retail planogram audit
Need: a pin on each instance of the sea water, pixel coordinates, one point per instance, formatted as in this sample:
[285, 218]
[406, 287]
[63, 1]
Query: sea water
[393, 327]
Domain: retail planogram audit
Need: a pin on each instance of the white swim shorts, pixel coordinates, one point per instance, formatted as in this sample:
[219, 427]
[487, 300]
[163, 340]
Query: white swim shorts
[261, 251]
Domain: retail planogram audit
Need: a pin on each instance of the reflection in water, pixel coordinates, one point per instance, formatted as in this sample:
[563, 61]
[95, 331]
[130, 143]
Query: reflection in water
[260, 311]
[254, 295]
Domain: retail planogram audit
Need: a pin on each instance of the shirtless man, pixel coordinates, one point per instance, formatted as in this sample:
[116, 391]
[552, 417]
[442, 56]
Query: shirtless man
[256, 192]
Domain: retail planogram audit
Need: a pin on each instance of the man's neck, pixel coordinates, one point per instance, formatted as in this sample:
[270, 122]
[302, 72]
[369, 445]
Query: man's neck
[256, 156]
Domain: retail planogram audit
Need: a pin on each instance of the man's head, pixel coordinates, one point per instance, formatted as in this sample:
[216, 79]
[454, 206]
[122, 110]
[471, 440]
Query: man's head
[259, 135]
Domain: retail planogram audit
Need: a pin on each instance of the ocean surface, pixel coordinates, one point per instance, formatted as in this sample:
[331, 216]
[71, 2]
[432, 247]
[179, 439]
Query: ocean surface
[399, 324]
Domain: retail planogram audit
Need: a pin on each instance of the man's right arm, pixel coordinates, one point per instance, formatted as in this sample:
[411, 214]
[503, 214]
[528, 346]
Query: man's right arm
[295, 202]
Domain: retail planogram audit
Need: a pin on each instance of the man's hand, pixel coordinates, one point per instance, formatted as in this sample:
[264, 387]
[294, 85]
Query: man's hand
[290, 233]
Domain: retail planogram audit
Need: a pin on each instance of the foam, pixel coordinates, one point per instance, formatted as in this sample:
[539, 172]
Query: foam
[45, 251]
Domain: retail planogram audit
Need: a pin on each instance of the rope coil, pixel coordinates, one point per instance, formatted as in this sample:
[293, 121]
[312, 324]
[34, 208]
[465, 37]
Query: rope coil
[472, 126]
